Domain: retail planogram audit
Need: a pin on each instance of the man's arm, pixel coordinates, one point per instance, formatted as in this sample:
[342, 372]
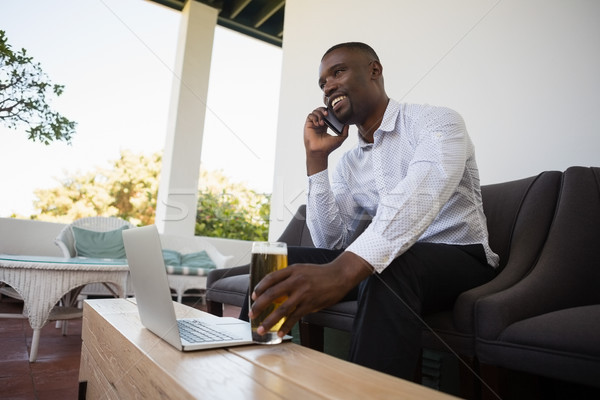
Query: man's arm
[330, 213]
[329, 216]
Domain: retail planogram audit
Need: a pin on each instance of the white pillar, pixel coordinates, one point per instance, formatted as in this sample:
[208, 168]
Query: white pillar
[178, 188]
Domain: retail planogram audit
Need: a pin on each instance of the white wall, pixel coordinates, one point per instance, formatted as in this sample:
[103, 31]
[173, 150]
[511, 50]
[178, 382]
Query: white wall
[523, 73]
[23, 236]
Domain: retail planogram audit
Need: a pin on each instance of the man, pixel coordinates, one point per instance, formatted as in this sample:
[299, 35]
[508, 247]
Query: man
[414, 172]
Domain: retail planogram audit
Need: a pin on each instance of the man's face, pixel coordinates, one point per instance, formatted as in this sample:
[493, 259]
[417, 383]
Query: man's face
[344, 77]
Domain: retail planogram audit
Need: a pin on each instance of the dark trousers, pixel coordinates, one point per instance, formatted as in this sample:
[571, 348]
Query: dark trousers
[428, 278]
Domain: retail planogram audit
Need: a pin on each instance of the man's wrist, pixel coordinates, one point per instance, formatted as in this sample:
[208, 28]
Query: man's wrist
[353, 268]
[315, 165]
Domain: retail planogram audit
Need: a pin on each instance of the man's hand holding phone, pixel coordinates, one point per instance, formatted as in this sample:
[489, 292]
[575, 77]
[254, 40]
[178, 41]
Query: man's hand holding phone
[318, 143]
[332, 122]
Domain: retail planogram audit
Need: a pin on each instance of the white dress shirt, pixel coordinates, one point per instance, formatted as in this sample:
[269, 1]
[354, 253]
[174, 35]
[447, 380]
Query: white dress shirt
[418, 181]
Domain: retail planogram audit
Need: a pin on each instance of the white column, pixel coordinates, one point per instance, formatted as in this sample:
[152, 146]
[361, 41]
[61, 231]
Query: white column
[178, 189]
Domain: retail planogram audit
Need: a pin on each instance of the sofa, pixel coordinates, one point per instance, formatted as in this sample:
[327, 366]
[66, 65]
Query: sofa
[522, 217]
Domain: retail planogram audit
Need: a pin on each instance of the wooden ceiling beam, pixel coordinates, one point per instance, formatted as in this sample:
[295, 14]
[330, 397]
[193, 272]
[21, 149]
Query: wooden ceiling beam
[237, 7]
[267, 11]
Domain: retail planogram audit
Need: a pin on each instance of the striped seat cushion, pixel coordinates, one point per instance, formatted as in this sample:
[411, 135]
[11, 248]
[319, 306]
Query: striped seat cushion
[198, 263]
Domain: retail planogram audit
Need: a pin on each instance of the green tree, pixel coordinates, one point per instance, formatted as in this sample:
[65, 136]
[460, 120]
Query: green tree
[24, 93]
[126, 190]
[129, 190]
[231, 210]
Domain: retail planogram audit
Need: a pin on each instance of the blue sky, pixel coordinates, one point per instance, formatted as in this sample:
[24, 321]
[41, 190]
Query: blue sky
[115, 58]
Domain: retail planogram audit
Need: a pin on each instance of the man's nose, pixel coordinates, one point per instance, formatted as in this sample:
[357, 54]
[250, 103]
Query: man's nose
[328, 90]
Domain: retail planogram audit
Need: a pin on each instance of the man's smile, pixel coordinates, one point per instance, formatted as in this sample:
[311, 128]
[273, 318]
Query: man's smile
[336, 101]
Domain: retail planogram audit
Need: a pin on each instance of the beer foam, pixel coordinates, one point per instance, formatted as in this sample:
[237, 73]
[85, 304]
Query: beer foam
[268, 248]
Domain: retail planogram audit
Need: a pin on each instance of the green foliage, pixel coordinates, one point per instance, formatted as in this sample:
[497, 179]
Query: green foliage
[134, 187]
[24, 89]
[129, 190]
[234, 213]
[126, 190]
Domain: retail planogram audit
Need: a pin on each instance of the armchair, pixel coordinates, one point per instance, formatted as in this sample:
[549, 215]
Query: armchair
[66, 243]
[548, 324]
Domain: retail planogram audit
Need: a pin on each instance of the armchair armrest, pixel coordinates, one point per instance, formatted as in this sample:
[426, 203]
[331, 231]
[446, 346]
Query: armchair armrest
[217, 274]
[65, 242]
[226, 286]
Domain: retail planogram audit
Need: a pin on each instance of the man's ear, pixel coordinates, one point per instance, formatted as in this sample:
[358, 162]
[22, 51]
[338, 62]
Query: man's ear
[376, 69]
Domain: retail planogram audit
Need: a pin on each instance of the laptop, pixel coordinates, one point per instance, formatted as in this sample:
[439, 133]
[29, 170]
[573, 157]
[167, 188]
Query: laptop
[155, 305]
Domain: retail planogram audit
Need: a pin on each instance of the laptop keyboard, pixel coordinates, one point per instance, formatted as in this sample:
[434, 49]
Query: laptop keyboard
[195, 331]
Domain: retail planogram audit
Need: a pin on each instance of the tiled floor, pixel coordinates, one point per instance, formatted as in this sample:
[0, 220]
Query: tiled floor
[55, 373]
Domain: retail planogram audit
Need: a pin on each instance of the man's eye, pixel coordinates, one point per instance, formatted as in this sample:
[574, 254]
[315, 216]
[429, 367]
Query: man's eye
[337, 72]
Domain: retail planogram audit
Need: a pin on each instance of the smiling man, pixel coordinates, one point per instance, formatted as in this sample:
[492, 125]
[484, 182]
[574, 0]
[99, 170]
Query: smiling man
[414, 173]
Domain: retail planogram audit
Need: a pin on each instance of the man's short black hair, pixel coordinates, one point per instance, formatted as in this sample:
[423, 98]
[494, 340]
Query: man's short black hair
[363, 47]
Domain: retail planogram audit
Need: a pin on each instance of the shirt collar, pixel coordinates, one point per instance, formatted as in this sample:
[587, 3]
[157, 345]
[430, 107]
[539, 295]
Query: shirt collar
[388, 123]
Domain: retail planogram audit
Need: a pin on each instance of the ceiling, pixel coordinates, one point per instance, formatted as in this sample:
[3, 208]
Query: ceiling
[261, 19]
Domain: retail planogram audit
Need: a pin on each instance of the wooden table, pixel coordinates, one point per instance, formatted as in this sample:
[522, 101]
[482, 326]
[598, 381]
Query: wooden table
[42, 281]
[120, 359]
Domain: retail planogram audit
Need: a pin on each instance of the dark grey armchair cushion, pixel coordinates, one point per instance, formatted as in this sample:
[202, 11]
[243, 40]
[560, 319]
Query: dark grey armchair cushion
[581, 325]
[562, 345]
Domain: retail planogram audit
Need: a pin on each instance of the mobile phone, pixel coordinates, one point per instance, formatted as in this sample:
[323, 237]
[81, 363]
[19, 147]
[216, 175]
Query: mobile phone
[333, 123]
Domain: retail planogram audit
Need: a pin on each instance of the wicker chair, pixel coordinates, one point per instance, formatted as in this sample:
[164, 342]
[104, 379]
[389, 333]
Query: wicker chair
[66, 242]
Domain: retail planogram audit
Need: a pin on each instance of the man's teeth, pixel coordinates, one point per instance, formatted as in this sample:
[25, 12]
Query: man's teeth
[337, 100]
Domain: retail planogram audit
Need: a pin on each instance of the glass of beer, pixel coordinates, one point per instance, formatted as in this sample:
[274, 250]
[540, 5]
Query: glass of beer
[266, 257]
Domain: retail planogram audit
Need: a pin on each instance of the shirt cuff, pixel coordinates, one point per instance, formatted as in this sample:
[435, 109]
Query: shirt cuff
[374, 249]
[319, 182]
